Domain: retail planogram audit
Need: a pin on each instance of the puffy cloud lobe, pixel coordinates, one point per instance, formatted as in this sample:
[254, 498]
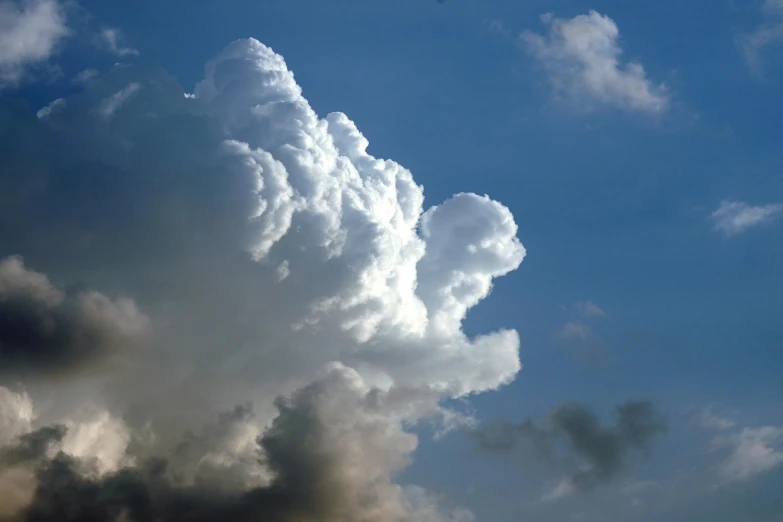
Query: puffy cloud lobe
[43, 329]
[582, 58]
[602, 449]
[30, 31]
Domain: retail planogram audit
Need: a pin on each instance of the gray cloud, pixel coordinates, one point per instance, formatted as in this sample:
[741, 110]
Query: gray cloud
[44, 329]
[601, 448]
[331, 452]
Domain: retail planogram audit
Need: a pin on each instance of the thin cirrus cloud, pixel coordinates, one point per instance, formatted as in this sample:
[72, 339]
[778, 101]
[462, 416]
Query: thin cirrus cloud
[30, 33]
[582, 57]
[736, 217]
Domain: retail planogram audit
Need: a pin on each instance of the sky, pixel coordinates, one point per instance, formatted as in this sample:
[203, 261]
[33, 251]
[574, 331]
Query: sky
[381, 261]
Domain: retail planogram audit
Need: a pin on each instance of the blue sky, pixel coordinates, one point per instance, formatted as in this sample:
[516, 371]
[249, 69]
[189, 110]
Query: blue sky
[653, 200]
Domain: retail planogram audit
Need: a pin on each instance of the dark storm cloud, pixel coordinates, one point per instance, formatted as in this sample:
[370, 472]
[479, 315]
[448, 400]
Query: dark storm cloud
[44, 329]
[31, 447]
[602, 448]
[322, 471]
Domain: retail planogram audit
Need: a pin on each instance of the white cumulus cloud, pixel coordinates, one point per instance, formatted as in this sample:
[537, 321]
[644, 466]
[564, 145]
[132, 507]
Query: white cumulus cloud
[735, 217]
[30, 31]
[582, 57]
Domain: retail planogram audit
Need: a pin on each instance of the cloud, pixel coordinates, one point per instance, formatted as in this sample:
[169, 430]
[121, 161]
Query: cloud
[582, 57]
[16, 415]
[112, 40]
[85, 76]
[30, 31]
[53, 106]
[118, 99]
[273, 256]
[589, 309]
[43, 329]
[602, 450]
[735, 217]
[578, 332]
[331, 452]
[752, 451]
[768, 33]
[708, 420]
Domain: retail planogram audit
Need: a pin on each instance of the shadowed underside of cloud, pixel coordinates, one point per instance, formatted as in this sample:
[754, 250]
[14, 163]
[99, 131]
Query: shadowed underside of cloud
[265, 245]
[582, 58]
[43, 329]
[331, 453]
[602, 449]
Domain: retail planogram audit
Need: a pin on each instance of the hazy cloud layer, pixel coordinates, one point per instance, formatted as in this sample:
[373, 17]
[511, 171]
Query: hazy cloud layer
[274, 257]
[602, 449]
[581, 55]
[30, 31]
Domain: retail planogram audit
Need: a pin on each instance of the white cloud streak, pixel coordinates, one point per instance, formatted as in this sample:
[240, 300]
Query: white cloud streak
[582, 58]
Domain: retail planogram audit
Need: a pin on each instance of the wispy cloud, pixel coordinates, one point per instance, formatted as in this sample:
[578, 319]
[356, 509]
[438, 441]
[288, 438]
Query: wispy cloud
[768, 33]
[582, 57]
[589, 309]
[112, 40]
[601, 450]
[736, 217]
[753, 451]
[118, 99]
[711, 421]
[85, 76]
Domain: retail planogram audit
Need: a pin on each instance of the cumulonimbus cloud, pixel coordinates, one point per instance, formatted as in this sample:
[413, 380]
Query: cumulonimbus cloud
[265, 244]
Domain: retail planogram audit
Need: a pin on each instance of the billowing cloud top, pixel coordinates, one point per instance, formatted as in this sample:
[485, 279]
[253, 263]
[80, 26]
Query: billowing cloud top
[264, 244]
